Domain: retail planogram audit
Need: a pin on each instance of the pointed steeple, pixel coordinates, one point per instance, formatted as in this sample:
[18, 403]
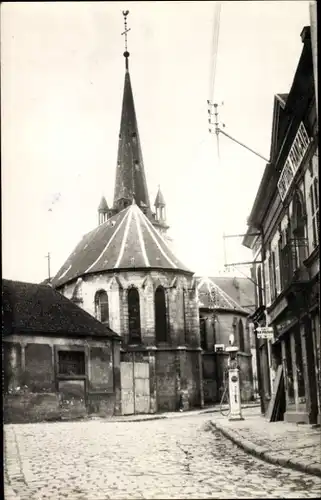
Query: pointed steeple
[160, 206]
[102, 211]
[130, 174]
[159, 200]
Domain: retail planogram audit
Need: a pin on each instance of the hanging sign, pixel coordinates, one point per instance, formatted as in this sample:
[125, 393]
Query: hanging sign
[265, 332]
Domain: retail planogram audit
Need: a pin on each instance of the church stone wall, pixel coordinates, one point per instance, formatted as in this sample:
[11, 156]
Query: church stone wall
[181, 330]
[178, 366]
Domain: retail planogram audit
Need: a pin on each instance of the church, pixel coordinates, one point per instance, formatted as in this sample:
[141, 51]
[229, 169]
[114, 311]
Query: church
[125, 273]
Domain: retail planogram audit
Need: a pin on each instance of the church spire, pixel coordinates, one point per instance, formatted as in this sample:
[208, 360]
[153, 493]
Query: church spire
[130, 175]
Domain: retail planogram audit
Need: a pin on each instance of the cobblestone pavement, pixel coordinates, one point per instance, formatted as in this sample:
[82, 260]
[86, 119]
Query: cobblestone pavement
[168, 458]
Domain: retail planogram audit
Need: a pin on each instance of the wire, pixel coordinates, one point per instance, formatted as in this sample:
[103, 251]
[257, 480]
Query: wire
[244, 146]
[216, 30]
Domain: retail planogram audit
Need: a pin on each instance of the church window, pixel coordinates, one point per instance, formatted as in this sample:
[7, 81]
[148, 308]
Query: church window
[71, 363]
[241, 336]
[102, 307]
[160, 315]
[134, 316]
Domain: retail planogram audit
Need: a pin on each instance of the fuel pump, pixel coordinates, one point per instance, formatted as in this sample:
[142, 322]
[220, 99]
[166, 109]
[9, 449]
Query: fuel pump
[234, 385]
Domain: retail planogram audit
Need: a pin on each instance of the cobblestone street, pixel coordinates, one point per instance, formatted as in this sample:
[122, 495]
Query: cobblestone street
[169, 458]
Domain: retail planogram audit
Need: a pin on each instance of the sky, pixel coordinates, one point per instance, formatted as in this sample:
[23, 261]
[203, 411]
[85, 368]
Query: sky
[62, 76]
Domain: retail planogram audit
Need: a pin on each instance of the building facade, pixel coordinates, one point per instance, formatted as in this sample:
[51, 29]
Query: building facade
[59, 362]
[125, 274]
[283, 234]
[223, 322]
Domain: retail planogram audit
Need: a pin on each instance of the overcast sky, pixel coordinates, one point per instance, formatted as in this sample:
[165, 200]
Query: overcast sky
[62, 75]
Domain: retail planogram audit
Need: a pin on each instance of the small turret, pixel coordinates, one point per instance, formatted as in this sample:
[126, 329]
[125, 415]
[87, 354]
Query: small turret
[102, 211]
[160, 207]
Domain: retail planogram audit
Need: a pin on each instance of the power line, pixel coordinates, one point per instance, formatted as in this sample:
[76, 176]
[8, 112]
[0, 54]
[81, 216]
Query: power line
[215, 39]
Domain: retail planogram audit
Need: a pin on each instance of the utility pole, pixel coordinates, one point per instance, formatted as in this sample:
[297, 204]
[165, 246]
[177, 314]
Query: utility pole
[218, 130]
[48, 258]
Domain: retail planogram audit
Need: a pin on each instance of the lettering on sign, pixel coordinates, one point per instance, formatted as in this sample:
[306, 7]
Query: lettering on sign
[293, 161]
[264, 329]
[268, 336]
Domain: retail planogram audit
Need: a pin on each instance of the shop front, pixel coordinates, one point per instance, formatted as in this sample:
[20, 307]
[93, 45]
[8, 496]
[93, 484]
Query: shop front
[294, 332]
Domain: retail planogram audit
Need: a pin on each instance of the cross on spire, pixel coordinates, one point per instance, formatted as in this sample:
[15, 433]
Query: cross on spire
[126, 53]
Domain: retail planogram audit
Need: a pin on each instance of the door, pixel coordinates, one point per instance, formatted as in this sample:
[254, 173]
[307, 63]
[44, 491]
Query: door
[127, 388]
[135, 392]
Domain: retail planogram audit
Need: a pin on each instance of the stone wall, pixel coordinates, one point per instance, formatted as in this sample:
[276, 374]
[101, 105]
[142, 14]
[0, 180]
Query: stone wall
[35, 391]
[183, 318]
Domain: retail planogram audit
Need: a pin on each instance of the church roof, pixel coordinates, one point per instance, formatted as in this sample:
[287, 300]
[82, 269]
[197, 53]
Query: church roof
[30, 307]
[159, 200]
[130, 173]
[103, 204]
[127, 240]
[212, 296]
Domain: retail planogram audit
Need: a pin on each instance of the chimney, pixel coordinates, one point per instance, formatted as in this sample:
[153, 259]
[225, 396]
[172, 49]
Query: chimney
[305, 34]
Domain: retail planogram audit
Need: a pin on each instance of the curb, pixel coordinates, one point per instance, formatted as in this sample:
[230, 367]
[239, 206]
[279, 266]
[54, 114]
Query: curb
[138, 419]
[262, 453]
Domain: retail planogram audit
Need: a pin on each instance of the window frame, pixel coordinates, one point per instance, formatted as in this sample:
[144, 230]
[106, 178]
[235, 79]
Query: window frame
[98, 306]
[71, 349]
[133, 337]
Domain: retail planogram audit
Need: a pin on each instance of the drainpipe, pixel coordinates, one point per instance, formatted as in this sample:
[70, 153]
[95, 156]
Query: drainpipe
[258, 360]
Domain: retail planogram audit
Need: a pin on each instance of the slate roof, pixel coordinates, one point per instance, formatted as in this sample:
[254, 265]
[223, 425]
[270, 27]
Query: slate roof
[127, 240]
[30, 307]
[130, 174]
[212, 293]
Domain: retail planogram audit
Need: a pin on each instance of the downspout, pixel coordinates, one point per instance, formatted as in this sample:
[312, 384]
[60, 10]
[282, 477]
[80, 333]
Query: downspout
[258, 361]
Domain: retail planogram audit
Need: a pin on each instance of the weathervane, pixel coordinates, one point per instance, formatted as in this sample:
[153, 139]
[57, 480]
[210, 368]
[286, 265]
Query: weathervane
[126, 53]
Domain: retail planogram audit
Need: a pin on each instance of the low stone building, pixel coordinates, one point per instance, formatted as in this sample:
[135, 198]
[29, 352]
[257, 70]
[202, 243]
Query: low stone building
[222, 322]
[59, 361]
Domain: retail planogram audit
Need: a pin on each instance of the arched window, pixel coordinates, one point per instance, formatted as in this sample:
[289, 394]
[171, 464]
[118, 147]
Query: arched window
[241, 336]
[134, 316]
[298, 218]
[102, 307]
[160, 315]
[298, 230]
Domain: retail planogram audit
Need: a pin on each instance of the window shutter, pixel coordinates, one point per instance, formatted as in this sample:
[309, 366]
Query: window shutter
[277, 270]
[267, 282]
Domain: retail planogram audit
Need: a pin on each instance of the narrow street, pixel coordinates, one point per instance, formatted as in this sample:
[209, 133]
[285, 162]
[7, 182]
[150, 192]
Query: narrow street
[169, 458]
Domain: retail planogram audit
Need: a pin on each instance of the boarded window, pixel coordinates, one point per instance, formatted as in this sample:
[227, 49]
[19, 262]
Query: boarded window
[241, 336]
[71, 363]
[102, 307]
[160, 315]
[134, 316]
